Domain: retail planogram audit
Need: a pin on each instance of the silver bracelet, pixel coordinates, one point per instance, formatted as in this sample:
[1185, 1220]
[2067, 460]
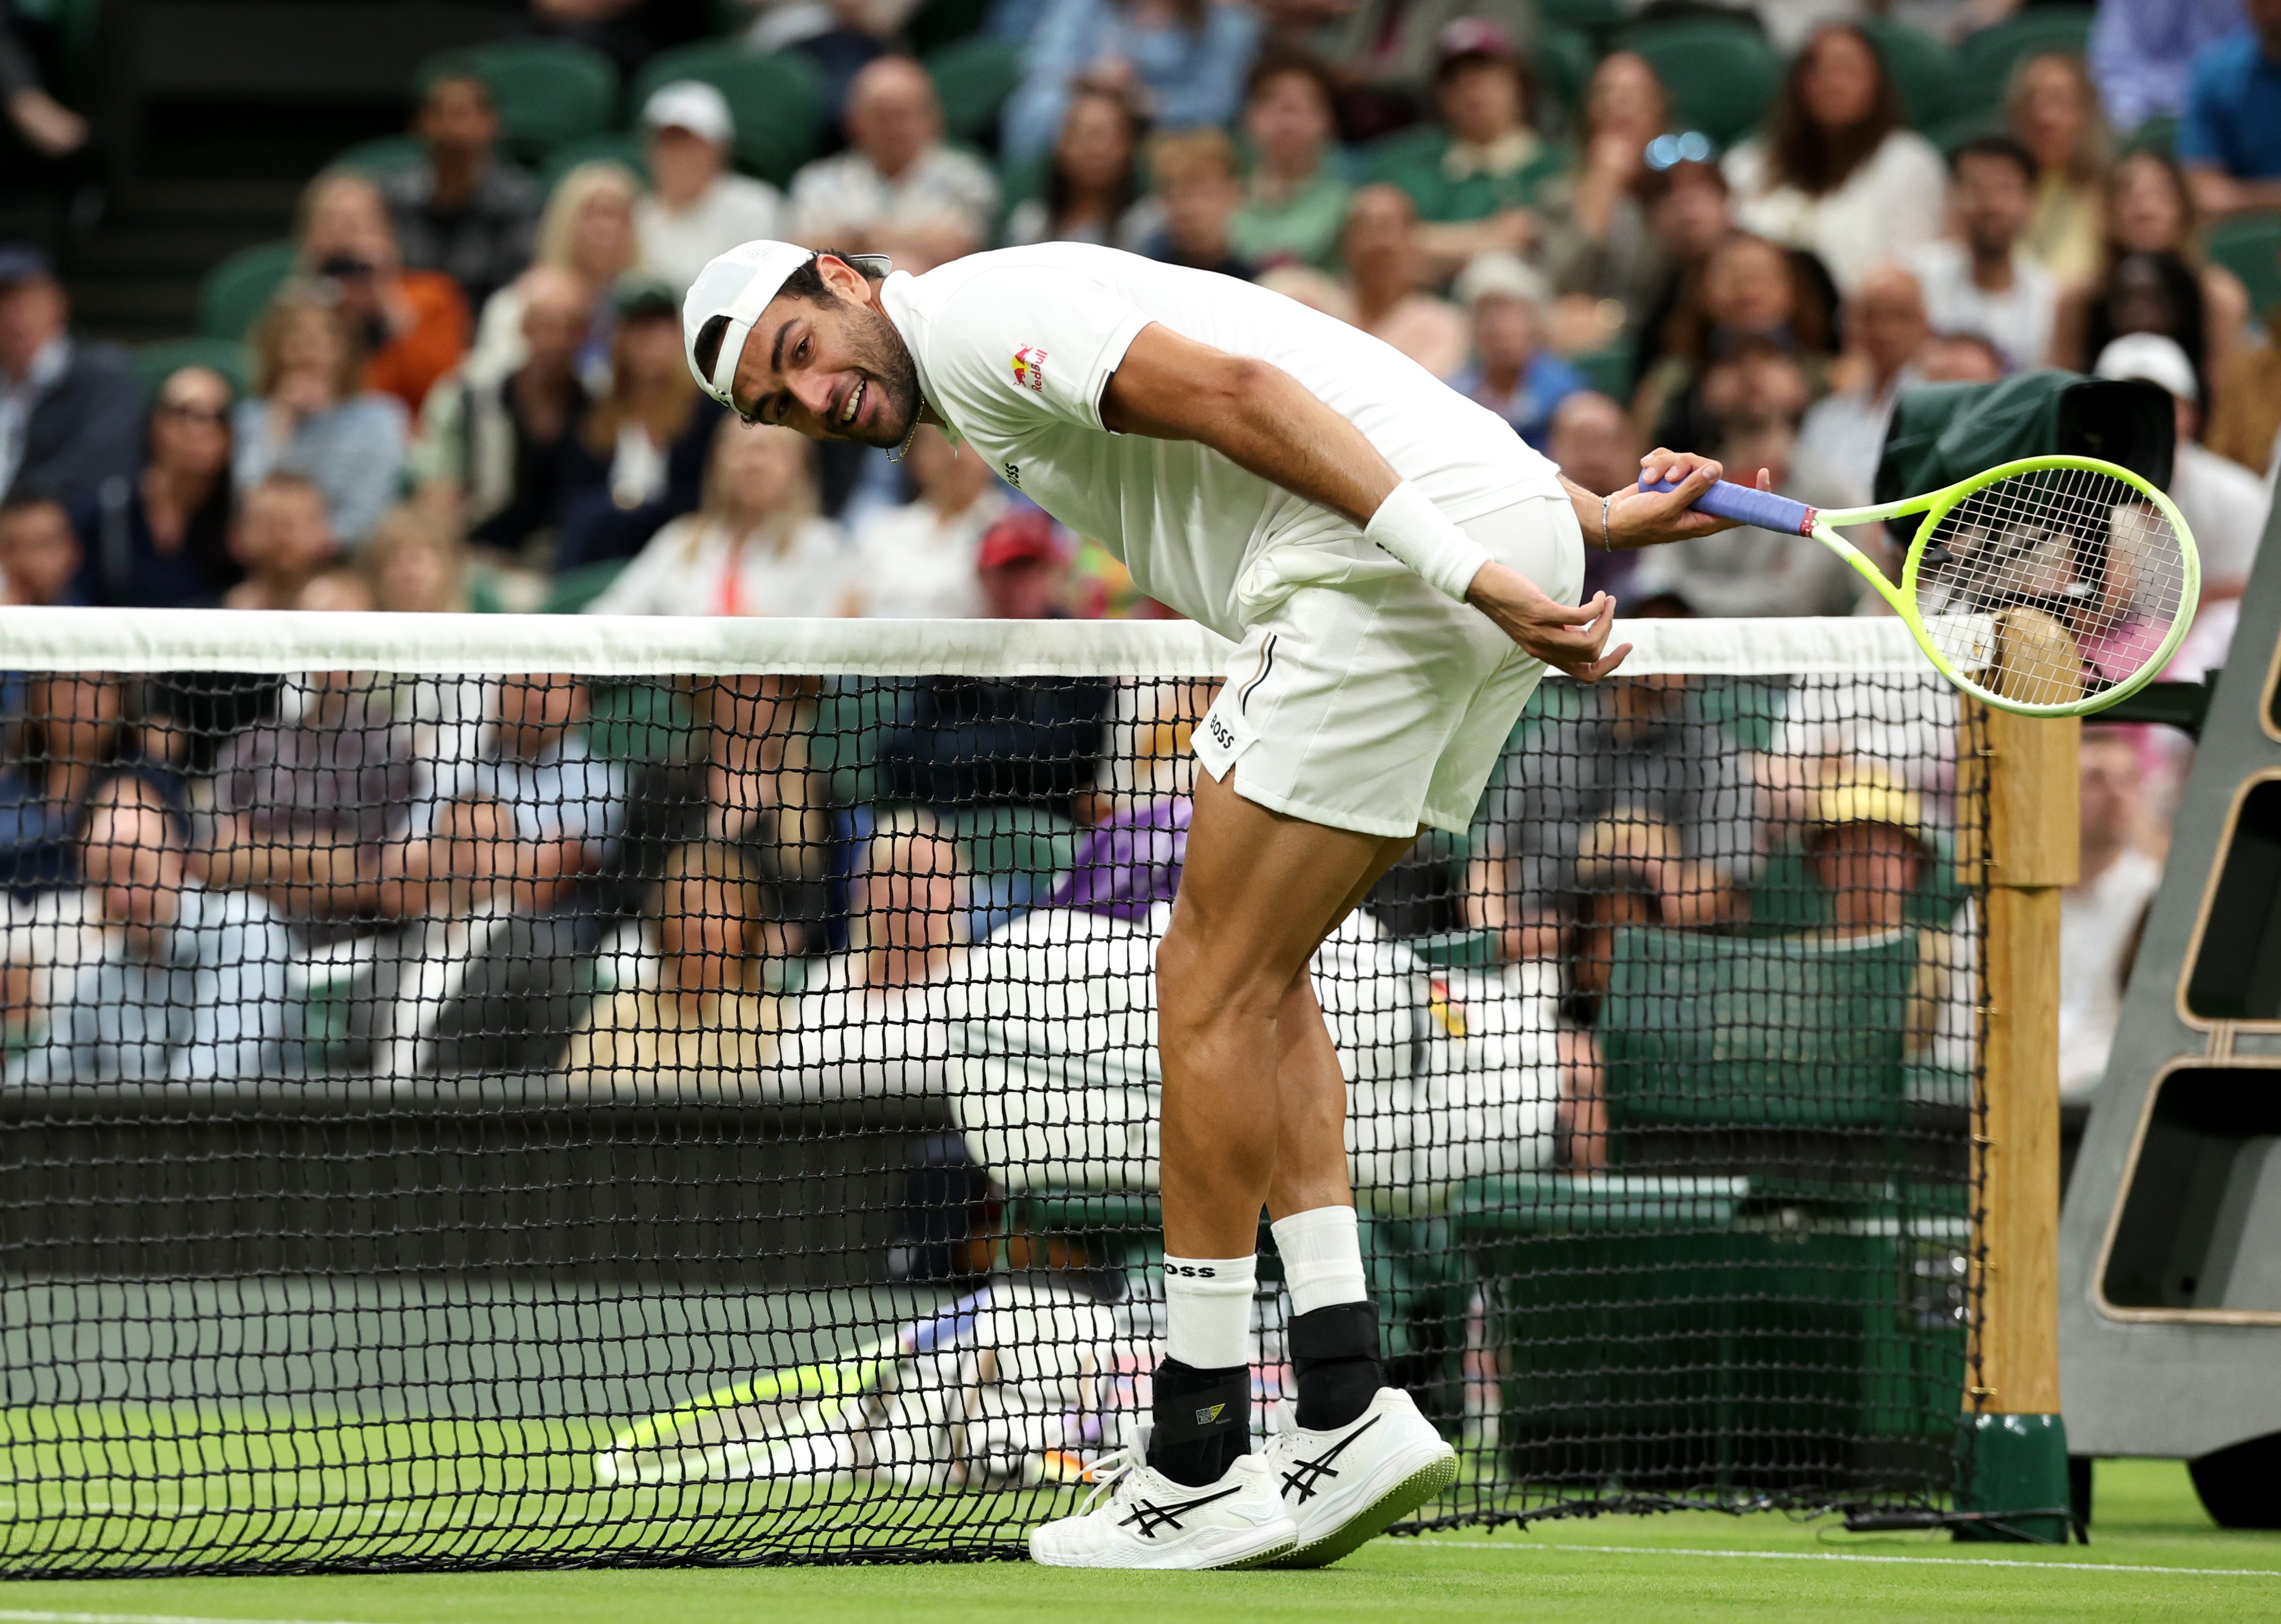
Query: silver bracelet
[1605, 545]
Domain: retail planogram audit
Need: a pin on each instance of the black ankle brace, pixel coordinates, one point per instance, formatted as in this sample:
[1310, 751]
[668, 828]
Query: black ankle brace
[1334, 1356]
[1202, 1421]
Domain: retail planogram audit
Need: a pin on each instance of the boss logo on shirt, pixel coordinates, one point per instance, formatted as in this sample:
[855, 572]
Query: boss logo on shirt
[1030, 366]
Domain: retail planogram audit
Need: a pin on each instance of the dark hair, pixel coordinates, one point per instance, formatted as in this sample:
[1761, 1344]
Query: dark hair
[2002, 148]
[807, 282]
[28, 496]
[1279, 60]
[459, 76]
[2181, 285]
[1814, 160]
[1057, 197]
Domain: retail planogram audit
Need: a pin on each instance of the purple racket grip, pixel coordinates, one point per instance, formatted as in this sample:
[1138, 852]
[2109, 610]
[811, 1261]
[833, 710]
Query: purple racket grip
[1729, 500]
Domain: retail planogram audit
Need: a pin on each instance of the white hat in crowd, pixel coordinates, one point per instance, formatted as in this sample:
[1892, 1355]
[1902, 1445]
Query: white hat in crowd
[739, 285]
[2153, 357]
[693, 106]
[1495, 274]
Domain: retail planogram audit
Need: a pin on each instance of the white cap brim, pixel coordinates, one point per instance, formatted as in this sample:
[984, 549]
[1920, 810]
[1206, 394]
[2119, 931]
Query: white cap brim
[739, 285]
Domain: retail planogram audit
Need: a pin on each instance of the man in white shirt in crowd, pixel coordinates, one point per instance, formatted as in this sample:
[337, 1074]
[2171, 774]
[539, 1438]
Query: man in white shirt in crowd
[1399, 569]
[897, 190]
[2223, 504]
[697, 206]
[1885, 325]
[918, 560]
[2099, 914]
[1981, 280]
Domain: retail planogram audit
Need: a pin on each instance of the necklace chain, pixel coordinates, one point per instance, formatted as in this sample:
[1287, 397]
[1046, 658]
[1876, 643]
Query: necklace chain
[904, 450]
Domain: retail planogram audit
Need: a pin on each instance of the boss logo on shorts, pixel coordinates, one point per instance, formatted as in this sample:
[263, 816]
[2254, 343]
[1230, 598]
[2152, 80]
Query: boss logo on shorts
[1030, 368]
[1222, 735]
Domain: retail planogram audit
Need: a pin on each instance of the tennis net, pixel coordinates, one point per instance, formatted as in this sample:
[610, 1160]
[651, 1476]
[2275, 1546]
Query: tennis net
[520, 1091]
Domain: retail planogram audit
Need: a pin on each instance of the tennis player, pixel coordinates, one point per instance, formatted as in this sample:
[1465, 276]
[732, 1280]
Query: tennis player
[1397, 570]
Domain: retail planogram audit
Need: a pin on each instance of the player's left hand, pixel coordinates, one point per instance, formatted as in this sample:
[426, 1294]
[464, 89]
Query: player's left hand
[1638, 518]
[1567, 639]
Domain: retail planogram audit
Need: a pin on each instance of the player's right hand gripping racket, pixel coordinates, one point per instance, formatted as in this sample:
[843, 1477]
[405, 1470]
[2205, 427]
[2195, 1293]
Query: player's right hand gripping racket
[2052, 586]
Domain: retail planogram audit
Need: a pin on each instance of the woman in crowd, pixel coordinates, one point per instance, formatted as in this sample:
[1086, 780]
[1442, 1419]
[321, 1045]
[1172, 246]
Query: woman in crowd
[639, 458]
[700, 1019]
[1183, 62]
[588, 230]
[1599, 242]
[1838, 171]
[412, 324]
[1749, 292]
[756, 547]
[71, 731]
[2150, 240]
[1386, 268]
[2053, 108]
[1092, 181]
[1295, 198]
[310, 414]
[161, 540]
[418, 567]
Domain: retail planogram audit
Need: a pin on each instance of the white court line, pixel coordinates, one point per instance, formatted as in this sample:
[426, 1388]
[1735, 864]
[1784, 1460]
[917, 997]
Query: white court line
[1839, 1556]
[11, 1615]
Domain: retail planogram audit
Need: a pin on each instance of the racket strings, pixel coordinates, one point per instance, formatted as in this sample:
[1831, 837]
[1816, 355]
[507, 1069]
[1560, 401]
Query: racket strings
[2084, 575]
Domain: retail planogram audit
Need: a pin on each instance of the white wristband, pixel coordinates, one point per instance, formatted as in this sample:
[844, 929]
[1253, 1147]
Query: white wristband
[1408, 526]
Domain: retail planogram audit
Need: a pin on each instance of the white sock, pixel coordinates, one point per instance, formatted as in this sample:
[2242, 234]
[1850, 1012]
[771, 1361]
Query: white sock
[1322, 1258]
[1207, 1310]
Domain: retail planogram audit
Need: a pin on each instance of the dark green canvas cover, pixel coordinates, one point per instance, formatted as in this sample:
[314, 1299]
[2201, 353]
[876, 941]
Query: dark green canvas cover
[1944, 432]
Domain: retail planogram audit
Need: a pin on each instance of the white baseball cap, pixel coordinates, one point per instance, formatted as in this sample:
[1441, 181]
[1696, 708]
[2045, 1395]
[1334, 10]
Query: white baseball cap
[1495, 274]
[739, 285]
[693, 106]
[2150, 357]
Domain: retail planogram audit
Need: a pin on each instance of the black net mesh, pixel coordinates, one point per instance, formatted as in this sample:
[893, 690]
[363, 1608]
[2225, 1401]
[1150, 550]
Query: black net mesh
[457, 1121]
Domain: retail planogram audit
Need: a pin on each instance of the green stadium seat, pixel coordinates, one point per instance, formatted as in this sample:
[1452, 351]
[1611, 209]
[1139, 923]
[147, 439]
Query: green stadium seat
[617, 147]
[1719, 75]
[154, 363]
[1609, 370]
[381, 157]
[972, 80]
[235, 291]
[2249, 245]
[777, 101]
[938, 24]
[548, 91]
[73, 24]
[1565, 61]
[1922, 67]
[1016, 852]
[2159, 133]
[574, 589]
[1598, 19]
[1984, 61]
[1952, 132]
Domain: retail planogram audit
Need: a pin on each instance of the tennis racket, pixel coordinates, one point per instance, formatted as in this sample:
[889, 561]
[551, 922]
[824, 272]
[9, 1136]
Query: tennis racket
[2052, 586]
[780, 1423]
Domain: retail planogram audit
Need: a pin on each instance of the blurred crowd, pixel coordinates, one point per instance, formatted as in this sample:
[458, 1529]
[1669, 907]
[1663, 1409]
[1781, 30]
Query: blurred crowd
[470, 395]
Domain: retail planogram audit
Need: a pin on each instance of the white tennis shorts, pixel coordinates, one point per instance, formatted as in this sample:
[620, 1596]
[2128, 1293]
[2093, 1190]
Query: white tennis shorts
[1376, 704]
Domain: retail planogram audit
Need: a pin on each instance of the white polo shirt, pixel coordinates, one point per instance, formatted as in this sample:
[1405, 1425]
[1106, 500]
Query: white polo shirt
[1014, 349]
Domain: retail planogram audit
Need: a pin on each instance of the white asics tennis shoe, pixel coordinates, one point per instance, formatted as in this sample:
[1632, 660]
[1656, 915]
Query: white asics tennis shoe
[1150, 1521]
[1343, 1485]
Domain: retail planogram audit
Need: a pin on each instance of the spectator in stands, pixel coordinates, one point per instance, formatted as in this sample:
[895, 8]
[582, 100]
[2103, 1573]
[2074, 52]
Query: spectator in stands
[1183, 61]
[160, 539]
[764, 794]
[1475, 187]
[1197, 190]
[1092, 178]
[191, 987]
[418, 566]
[2100, 913]
[1317, 289]
[1984, 281]
[702, 1019]
[2223, 504]
[412, 326]
[839, 36]
[1839, 171]
[1387, 270]
[1749, 292]
[1886, 333]
[1511, 371]
[922, 560]
[39, 554]
[1960, 357]
[67, 405]
[1865, 846]
[2230, 134]
[70, 731]
[1593, 443]
[490, 450]
[50, 128]
[462, 212]
[307, 415]
[1599, 242]
[2152, 229]
[898, 190]
[1295, 200]
[637, 457]
[587, 231]
[629, 31]
[1686, 202]
[757, 545]
[2141, 51]
[2052, 110]
[2245, 419]
[697, 205]
[281, 539]
[1022, 568]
